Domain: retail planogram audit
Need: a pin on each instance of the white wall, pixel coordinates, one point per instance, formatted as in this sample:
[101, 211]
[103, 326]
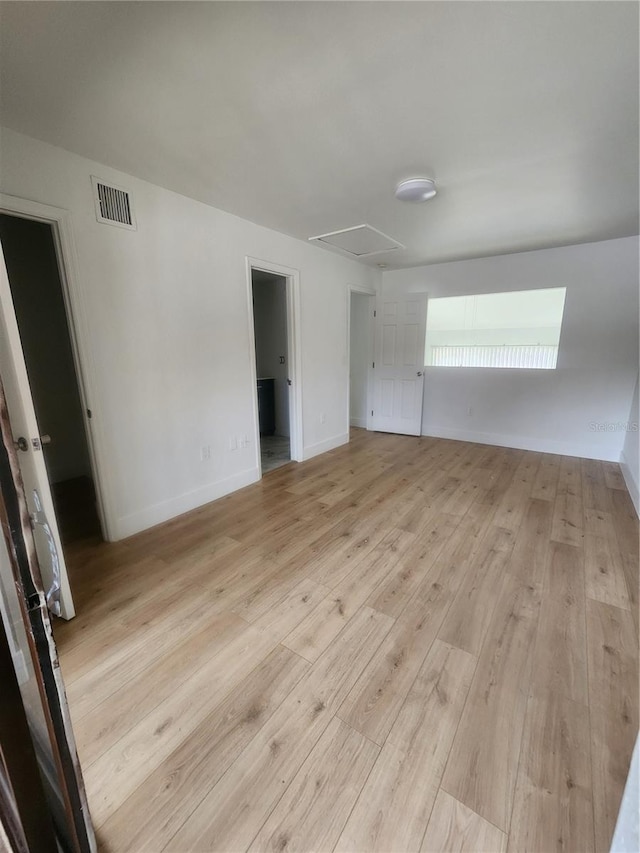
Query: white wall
[270, 325]
[162, 314]
[630, 456]
[569, 410]
[360, 349]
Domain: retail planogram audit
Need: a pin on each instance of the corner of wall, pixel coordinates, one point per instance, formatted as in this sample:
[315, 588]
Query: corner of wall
[629, 478]
[324, 446]
[150, 516]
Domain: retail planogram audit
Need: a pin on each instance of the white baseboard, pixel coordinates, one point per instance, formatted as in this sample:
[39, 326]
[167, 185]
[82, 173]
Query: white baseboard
[323, 446]
[358, 422]
[632, 485]
[163, 511]
[542, 445]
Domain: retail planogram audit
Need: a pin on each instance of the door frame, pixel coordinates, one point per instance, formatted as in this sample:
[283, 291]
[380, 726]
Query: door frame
[362, 290]
[23, 563]
[60, 221]
[294, 356]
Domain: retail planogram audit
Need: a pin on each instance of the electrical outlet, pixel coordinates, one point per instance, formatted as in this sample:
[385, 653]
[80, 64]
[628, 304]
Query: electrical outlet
[233, 444]
[205, 453]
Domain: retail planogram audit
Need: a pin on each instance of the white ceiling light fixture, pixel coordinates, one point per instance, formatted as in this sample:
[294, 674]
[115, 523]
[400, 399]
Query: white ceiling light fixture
[416, 189]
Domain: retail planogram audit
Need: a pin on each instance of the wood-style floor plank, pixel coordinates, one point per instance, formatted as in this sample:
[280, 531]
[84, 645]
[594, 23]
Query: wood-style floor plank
[546, 482]
[158, 807]
[613, 706]
[394, 806]
[567, 516]
[625, 522]
[403, 644]
[560, 656]
[317, 803]
[454, 828]
[604, 568]
[115, 774]
[595, 492]
[469, 617]
[100, 730]
[312, 636]
[377, 696]
[234, 810]
[553, 809]
[482, 767]
[528, 559]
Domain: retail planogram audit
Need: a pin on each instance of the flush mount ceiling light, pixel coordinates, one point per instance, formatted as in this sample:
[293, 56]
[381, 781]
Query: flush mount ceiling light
[416, 189]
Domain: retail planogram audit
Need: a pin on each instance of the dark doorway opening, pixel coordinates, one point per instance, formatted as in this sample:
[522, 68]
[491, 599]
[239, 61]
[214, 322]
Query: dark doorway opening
[36, 289]
[271, 342]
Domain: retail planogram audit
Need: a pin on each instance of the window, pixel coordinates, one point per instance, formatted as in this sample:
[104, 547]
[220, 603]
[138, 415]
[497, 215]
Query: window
[520, 329]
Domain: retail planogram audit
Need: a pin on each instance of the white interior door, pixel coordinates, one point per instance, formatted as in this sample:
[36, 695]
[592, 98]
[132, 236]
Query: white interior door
[398, 372]
[32, 466]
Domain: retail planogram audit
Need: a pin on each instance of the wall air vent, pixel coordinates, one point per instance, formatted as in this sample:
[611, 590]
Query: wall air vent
[113, 205]
[361, 241]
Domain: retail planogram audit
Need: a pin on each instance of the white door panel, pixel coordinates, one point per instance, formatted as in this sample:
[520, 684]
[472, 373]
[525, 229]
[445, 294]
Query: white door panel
[398, 379]
[22, 415]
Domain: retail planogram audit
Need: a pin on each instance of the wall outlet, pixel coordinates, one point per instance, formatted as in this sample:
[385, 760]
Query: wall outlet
[323, 418]
[233, 444]
[205, 453]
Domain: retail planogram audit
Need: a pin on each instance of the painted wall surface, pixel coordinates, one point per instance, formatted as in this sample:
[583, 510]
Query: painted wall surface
[359, 353]
[270, 326]
[567, 410]
[630, 457]
[163, 321]
[30, 257]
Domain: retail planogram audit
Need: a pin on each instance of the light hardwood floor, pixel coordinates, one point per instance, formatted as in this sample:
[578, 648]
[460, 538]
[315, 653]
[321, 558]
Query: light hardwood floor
[402, 645]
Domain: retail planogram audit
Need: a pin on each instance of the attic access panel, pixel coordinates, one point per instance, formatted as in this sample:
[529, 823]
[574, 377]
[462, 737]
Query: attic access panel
[359, 241]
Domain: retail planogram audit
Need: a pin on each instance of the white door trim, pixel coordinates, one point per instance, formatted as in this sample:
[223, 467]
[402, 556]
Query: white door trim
[364, 290]
[60, 220]
[294, 358]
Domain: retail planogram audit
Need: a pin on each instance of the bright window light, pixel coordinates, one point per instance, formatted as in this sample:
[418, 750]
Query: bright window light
[519, 329]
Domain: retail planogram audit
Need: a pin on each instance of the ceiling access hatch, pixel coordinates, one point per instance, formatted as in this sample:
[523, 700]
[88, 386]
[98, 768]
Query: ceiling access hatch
[359, 241]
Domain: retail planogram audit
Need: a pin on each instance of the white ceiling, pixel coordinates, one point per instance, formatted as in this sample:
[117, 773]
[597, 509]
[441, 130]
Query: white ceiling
[303, 116]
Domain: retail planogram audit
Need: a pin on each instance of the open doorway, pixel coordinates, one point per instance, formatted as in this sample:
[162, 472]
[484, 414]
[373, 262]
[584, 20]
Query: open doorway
[269, 295]
[36, 290]
[360, 356]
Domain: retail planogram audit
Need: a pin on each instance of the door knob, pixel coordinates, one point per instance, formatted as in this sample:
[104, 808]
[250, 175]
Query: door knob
[21, 444]
[419, 373]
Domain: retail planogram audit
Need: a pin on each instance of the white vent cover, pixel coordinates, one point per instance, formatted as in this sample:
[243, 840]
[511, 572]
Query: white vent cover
[361, 241]
[113, 205]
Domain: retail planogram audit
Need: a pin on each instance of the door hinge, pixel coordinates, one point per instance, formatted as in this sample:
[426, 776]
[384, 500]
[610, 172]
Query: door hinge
[375, 313]
[373, 364]
[372, 411]
[89, 413]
